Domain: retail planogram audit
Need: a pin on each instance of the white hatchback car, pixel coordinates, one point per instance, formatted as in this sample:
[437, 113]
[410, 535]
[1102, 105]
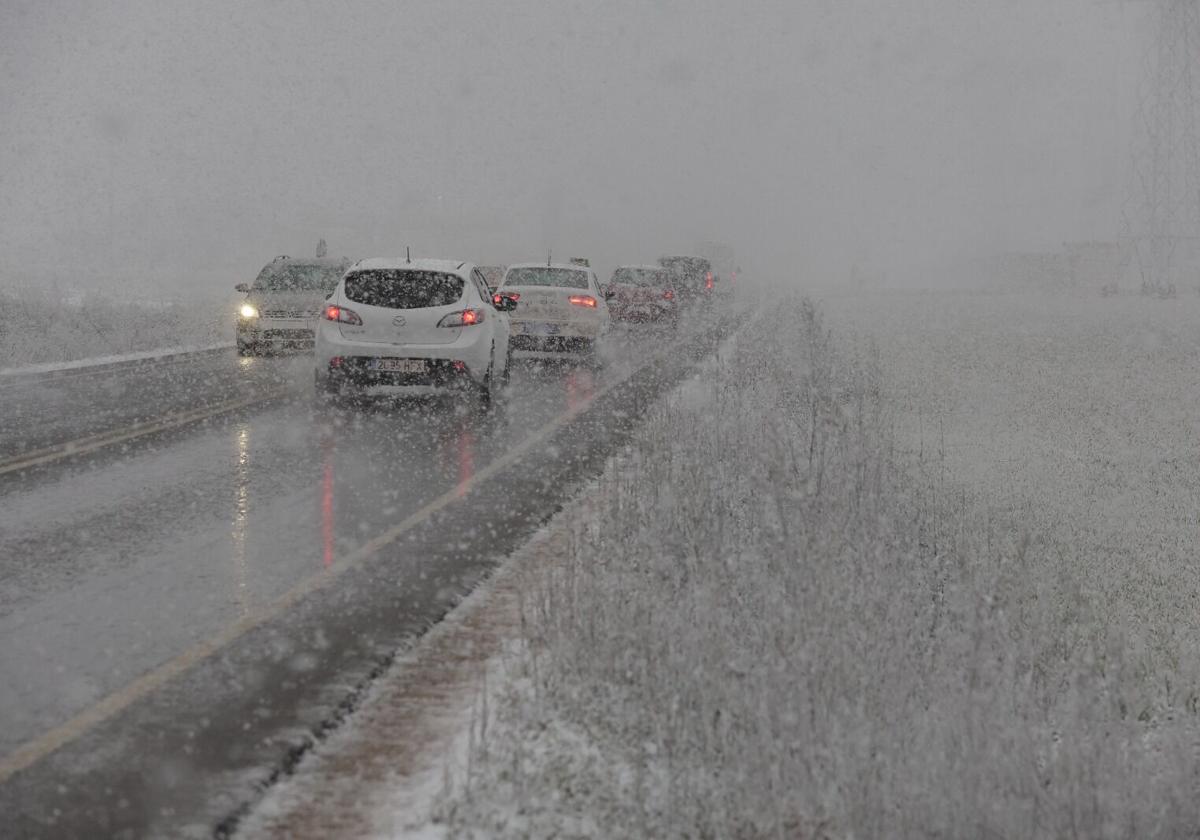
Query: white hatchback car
[413, 324]
[559, 310]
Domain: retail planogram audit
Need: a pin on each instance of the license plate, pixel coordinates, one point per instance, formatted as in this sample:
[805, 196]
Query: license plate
[398, 365]
[539, 329]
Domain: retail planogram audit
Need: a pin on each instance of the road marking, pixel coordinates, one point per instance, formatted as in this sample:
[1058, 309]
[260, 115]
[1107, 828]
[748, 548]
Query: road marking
[35, 750]
[91, 443]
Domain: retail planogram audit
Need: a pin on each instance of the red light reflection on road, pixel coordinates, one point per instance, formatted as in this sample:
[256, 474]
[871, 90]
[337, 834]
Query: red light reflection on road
[580, 387]
[465, 444]
[327, 500]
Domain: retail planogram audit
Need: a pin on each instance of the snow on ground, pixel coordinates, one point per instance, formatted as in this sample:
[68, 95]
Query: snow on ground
[46, 325]
[383, 773]
[926, 574]
[76, 364]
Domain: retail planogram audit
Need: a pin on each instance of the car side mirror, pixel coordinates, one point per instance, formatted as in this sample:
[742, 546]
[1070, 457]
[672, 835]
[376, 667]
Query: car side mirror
[609, 293]
[242, 287]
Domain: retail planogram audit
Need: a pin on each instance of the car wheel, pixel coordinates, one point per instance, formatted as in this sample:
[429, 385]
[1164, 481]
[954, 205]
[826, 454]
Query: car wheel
[485, 393]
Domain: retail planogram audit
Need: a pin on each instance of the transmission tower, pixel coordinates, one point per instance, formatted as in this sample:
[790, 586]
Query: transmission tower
[1162, 219]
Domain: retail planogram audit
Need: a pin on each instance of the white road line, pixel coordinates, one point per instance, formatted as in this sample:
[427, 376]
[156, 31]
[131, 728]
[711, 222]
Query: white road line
[91, 443]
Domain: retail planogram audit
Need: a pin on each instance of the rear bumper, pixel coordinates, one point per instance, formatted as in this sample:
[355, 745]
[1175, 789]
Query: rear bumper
[642, 312]
[263, 331]
[552, 345]
[471, 350]
[589, 329]
[354, 370]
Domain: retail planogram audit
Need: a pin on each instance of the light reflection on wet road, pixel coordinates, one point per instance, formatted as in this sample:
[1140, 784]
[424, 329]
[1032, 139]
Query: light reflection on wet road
[111, 565]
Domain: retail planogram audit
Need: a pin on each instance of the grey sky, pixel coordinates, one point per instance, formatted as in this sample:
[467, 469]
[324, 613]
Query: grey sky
[197, 140]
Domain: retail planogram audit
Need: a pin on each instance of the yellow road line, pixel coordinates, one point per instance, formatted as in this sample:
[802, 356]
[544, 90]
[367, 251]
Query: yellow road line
[41, 746]
[91, 443]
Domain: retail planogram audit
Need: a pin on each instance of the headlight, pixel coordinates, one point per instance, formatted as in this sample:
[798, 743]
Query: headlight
[248, 311]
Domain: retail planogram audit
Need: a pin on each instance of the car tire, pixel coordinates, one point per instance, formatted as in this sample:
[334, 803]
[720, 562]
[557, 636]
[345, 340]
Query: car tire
[508, 361]
[485, 392]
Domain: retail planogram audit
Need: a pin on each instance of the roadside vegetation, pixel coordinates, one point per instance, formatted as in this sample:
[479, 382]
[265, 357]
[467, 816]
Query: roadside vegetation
[796, 610]
[47, 324]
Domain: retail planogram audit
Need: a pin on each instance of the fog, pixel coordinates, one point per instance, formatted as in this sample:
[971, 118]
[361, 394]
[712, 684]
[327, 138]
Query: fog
[189, 143]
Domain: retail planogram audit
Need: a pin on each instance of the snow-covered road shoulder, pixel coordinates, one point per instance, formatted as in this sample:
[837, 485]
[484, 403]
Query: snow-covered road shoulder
[383, 772]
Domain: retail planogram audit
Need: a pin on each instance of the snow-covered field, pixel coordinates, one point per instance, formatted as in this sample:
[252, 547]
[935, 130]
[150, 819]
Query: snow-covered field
[44, 325]
[926, 568]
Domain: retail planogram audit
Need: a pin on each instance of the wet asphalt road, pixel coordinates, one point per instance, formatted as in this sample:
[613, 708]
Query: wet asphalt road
[146, 658]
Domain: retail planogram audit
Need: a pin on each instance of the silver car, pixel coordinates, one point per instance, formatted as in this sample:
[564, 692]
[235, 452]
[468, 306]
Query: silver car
[283, 303]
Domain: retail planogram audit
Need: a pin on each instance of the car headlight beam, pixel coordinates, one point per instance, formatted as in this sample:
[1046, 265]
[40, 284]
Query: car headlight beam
[248, 311]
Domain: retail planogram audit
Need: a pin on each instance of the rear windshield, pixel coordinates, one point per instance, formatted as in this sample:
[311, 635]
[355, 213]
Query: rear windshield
[653, 277]
[298, 278]
[403, 288]
[690, 270]
[539, 276]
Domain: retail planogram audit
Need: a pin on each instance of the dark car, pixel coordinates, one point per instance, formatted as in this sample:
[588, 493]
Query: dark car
[692, 277]
[642, 293]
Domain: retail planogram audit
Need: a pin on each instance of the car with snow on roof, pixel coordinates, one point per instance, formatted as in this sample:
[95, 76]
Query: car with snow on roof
[282, 304]
[559, 310]
[413, 326]
[642, 293]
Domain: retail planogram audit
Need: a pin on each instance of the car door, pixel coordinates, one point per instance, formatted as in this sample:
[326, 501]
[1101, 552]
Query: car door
[501, 328]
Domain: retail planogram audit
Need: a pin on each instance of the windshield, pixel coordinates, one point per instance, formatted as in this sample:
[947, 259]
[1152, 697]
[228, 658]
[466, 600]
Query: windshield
[294, 277]
[403, 288]
[646, 277]
[546, 276]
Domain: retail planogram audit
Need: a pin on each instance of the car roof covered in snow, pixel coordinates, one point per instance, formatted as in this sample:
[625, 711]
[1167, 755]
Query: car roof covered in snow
[283, 263]
[564, 266]
[459, 267]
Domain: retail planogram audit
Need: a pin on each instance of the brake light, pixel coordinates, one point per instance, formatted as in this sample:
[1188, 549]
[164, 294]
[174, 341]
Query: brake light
[708, 280]
[465, 318]
[583, 300]
[669, 294]
[342, 315]
[513, 296]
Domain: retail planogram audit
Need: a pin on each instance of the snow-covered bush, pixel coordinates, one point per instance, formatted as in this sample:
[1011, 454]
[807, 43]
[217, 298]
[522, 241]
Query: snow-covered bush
[779, 623]
[46, 324]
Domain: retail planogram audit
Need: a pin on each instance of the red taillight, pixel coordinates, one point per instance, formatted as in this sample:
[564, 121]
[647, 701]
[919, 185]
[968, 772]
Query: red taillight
[465, 318]
[342, 315]
[708, 280]
[513, 296]
[335, 361]
[583, 300]
[669, 294]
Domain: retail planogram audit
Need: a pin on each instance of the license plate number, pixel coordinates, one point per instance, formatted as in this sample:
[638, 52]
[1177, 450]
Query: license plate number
[399, 365]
